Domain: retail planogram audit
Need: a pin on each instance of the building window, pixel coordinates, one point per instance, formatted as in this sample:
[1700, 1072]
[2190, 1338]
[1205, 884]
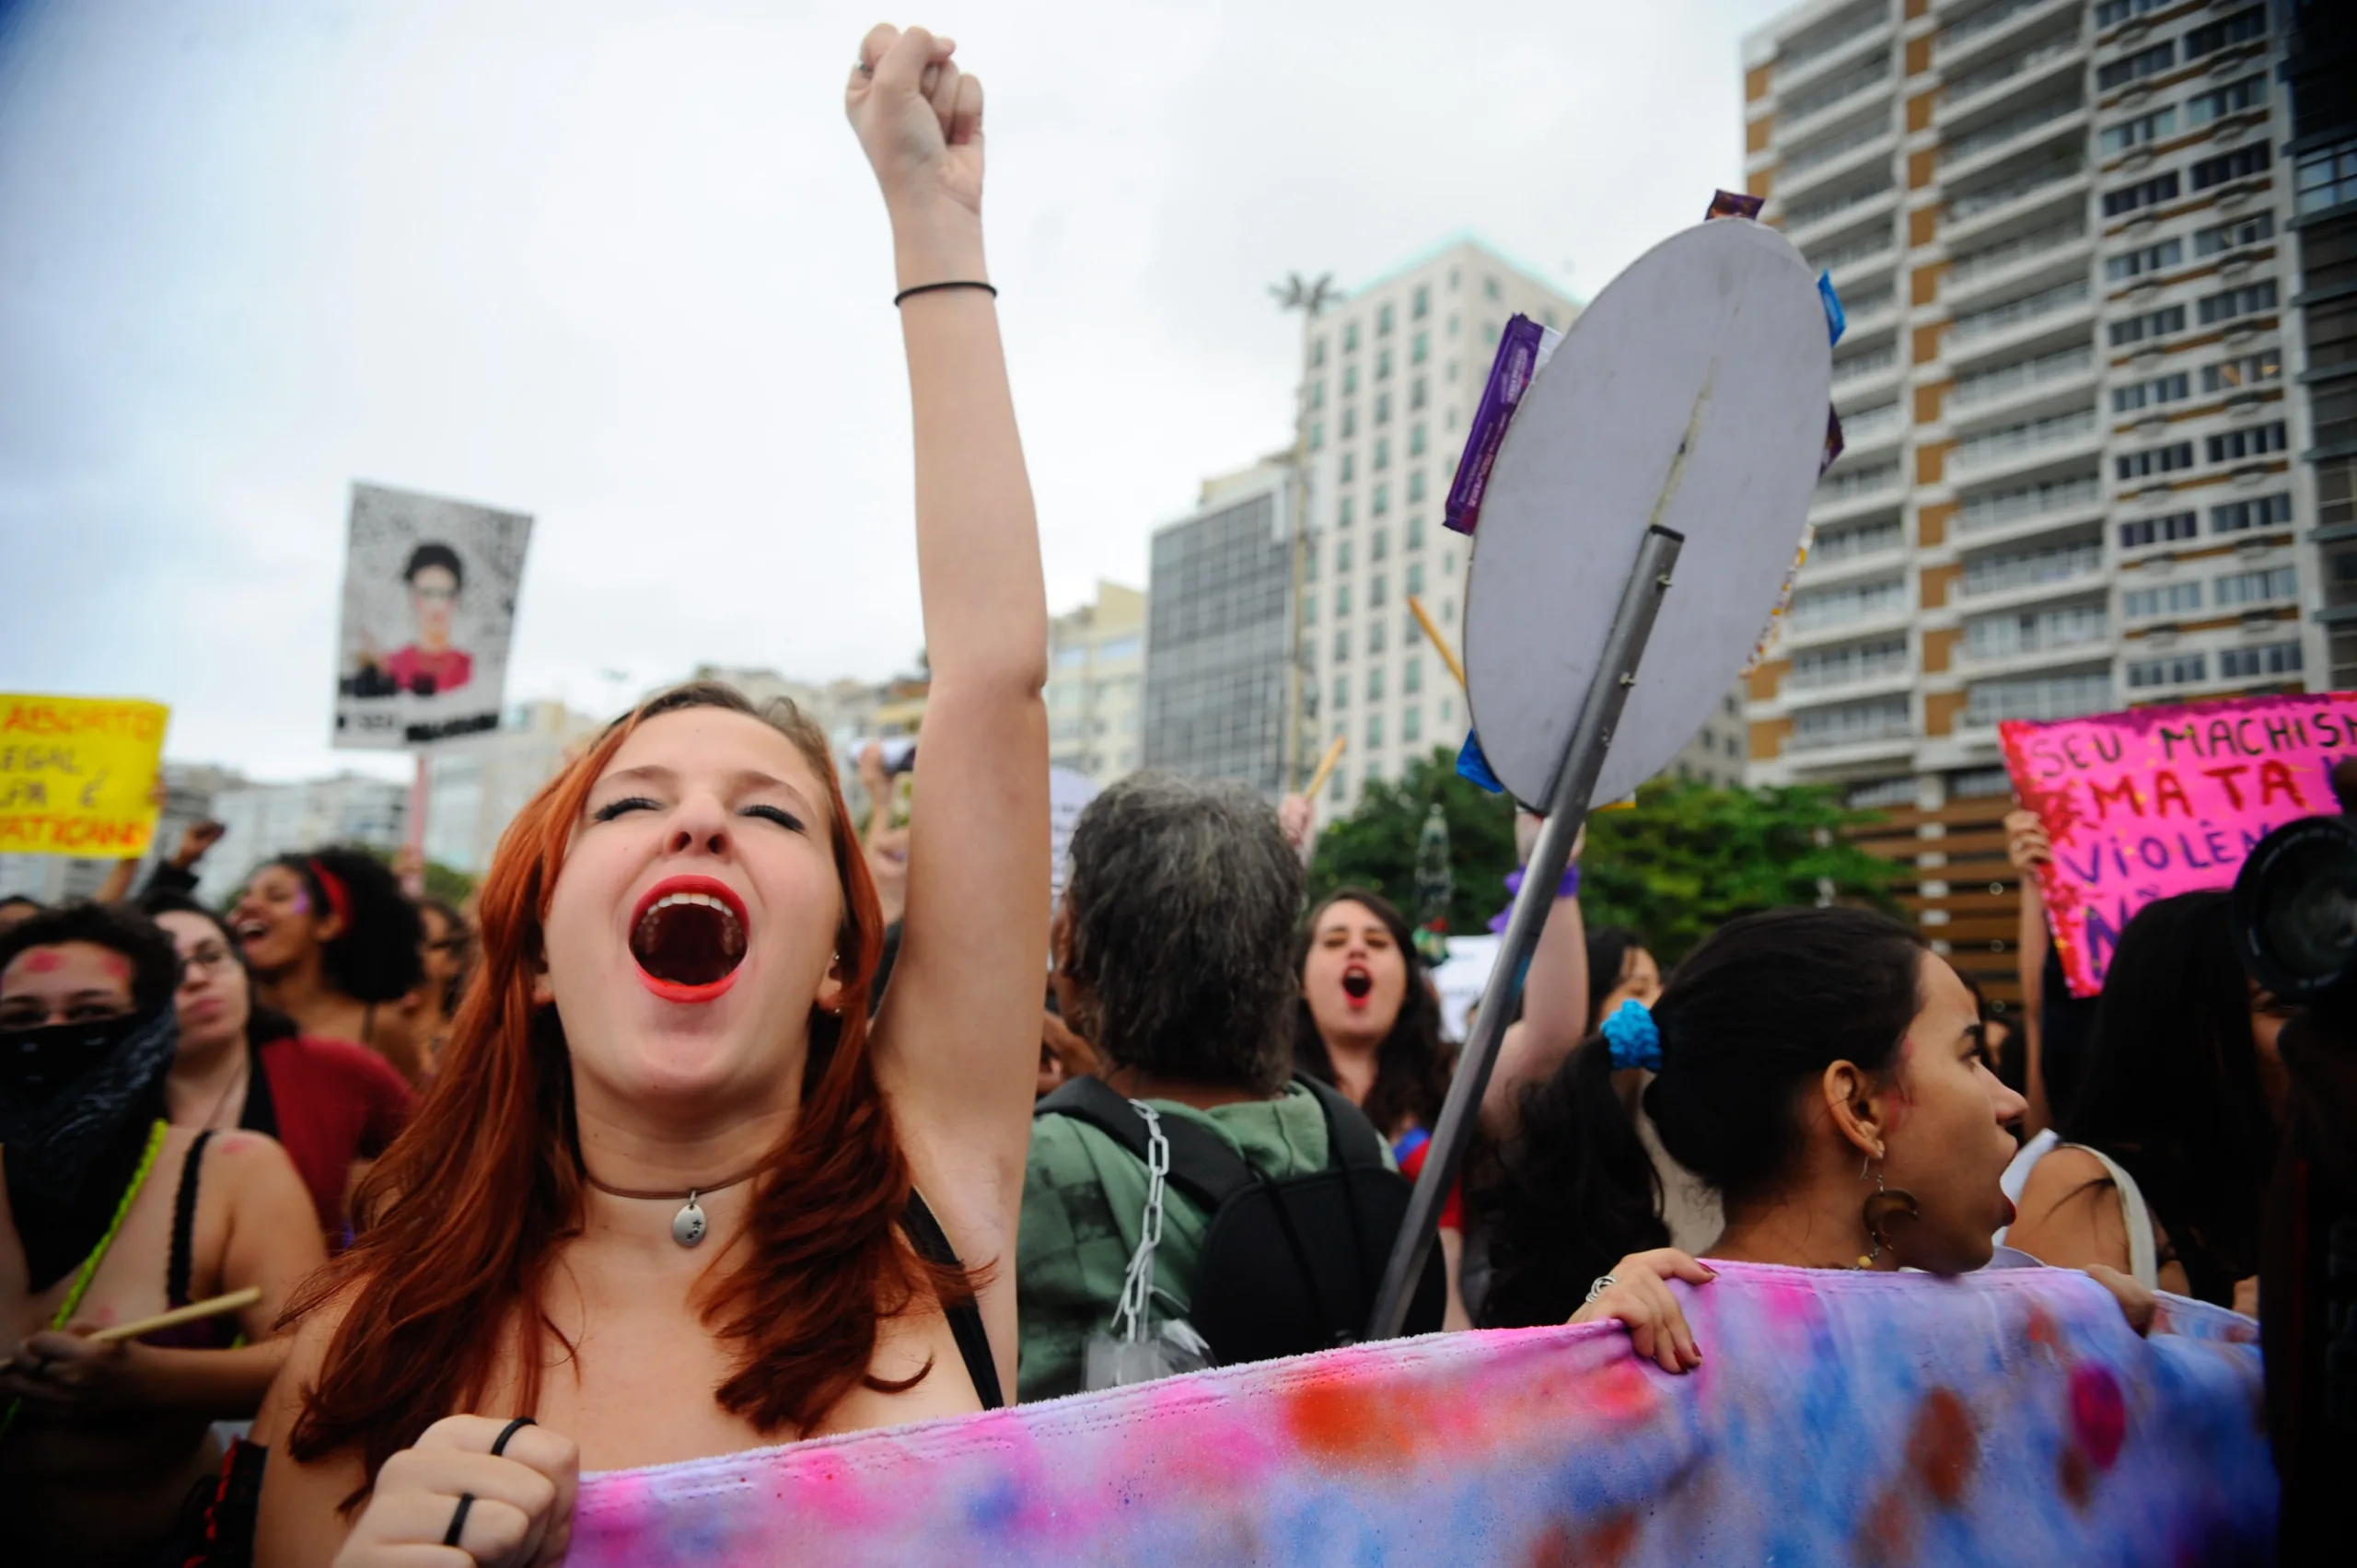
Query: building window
[1447, 712]
[2170, 599]
[2232, 236]
[1453, 324]
[2325, 178]
[1349, 468]
[1334, 790]
[2235, 445]
[1317, 352]
[2232, 99]
[2250, 370]
[2153, 459]
[2157, 530]
[1422, 306]
[2247, 300]
[1382, 451]
[1416, 395]
[1350, 337]
[2135, 328]
[1416, 532]
[2142, 131]
[1342, 599]
[1421, 348]
[1382, 319]
[1374, 591]
[1342, 555]
[2111, 13]
[1350, 417]
[1309, 564]
[1309, 610]
[2144, 259]
[1412, 674]
[1382, 499]
[2143, 63]
[2153, 393]
[2241, 25]
[1341, 692]
[2240, 517]
[1490, 333]
[1411, 726]
[1375, 630]
[1374, 736]
[2257, 588]
[1383, 408]
[1316, 437]
[1416, 485]
[1342, 645]
[2175, 670]
[1416, 437]
[2234, 165]
[1378, 544]
[1342, 513]
[2275, 658]
[1350, 380]
[2144, 194]
[1415, 576]
[1374, 684]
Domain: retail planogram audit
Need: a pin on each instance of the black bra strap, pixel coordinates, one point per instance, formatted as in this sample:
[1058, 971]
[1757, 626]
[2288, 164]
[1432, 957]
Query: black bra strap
[184, 1224]
[931, 1244]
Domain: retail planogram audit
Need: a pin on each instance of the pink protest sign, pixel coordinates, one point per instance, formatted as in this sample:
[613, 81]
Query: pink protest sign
[2146, 805]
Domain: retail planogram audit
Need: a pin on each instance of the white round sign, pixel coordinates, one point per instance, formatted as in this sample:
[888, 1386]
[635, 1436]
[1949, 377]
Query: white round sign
[1692, 393]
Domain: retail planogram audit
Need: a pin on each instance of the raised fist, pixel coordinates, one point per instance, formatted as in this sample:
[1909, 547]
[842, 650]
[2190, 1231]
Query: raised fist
[920, 121]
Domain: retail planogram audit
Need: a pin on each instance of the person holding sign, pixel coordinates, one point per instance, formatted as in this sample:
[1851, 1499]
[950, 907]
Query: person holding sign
[668, 1195]
[112, 1216]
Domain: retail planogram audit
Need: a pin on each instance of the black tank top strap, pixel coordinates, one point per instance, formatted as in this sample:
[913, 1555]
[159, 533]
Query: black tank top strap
[931, 1244]
[184, 1224]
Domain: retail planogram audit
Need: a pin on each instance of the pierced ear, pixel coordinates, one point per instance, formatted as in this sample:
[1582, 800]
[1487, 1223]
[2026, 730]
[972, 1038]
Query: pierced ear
[1850, 1100]
[831, 986]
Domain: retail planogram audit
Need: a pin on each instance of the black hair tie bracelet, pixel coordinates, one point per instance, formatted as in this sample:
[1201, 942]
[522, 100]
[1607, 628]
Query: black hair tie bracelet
[466, 1499]
[932, 287]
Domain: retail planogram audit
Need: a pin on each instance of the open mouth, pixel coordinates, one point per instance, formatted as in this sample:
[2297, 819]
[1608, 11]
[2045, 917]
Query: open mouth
[688, 938]
[1357, 984]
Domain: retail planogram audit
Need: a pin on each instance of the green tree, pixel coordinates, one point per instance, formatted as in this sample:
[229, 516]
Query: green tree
[1687, 857]
[1374, 846]
[449, 885]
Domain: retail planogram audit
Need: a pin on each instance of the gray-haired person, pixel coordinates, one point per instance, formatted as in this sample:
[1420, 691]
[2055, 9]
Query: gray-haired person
[1173, 958]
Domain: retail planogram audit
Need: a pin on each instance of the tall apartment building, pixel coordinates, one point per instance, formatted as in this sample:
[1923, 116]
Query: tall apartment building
[2059, 231]
[1391, 379]
[474, 788]
[268, 819]
[1220, 632]
[1096, 685]
[2320, 70]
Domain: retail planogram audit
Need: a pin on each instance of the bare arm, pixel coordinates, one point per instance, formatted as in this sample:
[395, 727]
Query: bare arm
[1554, 1015]
[959, 1039]
[298, 1525]
[2070, 1213]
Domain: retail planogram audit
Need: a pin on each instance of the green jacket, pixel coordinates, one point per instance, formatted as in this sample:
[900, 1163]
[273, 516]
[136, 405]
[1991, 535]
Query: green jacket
[1084, 1203]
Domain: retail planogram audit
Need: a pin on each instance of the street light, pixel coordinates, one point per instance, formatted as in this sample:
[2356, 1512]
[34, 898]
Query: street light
[1310, 297]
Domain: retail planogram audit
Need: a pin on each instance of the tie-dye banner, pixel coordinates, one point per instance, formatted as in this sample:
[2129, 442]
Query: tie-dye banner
[2009, 1417]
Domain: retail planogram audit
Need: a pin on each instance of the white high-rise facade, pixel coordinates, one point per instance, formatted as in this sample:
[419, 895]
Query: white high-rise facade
[1390, 380]
[1096, 685]
[2059, 230]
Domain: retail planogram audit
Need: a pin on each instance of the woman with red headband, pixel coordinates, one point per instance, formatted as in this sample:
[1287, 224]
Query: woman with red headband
[333, 944]
[668, 1193]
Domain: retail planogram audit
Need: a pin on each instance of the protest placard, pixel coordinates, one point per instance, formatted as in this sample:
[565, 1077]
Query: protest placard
[1069, 792]
[429, 605]
[77, 775]
[2155, 802]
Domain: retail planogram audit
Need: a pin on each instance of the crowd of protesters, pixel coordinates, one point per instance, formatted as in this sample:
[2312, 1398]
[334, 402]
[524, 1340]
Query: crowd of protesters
[714, 1064]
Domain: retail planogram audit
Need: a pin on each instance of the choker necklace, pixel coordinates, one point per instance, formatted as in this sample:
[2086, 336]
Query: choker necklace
[687, 1226]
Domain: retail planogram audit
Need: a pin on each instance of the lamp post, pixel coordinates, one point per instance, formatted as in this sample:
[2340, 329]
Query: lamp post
[1310, 297]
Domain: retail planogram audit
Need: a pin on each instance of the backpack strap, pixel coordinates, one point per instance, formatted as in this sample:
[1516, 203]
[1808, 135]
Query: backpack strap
[1204, 1164]
[1353, 1143]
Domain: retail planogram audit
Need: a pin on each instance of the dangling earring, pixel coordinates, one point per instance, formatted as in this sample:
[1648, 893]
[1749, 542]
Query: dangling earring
[1881, 1206]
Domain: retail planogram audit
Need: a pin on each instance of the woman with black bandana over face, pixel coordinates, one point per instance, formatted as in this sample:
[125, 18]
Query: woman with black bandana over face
[111, 1215]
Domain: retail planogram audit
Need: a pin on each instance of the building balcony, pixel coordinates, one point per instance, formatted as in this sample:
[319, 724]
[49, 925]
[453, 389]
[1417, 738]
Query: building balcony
[1847, 147]
[1972, 38]
[1886, 671]
[1866, 371]
[1972, 152]
[1871, 429]
[2056, 442]
[2022, 388]
[1822, 216]
[2006, 513]
[2044, 191]
[1817, 630]
[2058, 250]
[1846, 748]
[2041, 64]
[1823, 58]
[2041, 697]
[2057, 318]
[2034, 660]
[2009, 580]
[1870, 252]
[1845, 496]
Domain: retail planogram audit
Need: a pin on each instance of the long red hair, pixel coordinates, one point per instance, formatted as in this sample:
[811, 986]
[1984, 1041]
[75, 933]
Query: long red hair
[460, 1218]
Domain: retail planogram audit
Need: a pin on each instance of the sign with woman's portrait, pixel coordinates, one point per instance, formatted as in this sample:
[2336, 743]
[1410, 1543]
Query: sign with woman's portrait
[429, 603]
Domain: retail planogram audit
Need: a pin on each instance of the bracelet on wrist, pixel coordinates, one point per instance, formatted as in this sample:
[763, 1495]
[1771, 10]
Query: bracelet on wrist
[933, 287]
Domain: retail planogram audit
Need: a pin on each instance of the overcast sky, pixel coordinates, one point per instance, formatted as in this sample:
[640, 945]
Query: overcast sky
[622, 266]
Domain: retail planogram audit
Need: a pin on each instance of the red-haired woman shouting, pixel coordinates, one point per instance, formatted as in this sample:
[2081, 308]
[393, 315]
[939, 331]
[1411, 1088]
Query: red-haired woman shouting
[670, 1195]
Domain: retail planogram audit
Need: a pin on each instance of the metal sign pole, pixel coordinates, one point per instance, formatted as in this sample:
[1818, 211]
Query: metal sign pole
[1567, 803]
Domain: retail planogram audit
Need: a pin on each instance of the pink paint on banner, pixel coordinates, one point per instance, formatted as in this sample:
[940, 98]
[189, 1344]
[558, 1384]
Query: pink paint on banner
[2146, 805]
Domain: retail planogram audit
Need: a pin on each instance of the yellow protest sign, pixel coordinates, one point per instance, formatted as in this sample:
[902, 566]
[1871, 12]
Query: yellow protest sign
[77, 775]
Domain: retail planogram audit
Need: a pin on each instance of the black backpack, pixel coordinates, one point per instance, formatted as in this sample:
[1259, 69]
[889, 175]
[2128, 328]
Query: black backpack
[1288, 1266]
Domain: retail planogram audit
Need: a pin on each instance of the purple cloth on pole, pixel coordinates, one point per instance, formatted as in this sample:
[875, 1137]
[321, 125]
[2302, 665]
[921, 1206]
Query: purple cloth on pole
[1510, 374]
[1733, 205]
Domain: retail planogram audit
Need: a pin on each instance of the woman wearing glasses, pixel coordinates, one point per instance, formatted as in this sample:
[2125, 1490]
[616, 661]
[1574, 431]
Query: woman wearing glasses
[240, 1064]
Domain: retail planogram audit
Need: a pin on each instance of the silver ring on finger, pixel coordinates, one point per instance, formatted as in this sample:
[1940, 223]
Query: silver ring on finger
[1603, 1282]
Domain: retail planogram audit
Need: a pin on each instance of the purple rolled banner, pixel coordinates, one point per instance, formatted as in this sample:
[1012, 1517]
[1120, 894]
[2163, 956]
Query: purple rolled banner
[1733, 205]
[1510, 374]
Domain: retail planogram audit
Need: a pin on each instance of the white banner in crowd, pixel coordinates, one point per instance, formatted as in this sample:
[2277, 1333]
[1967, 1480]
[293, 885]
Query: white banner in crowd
[1069, 793]
[429, 606]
